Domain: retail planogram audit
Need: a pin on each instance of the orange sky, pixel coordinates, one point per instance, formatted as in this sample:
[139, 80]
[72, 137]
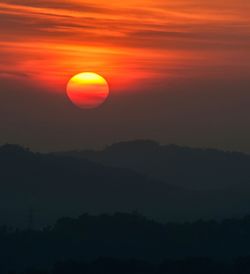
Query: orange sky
[178, 72]
[129, 43]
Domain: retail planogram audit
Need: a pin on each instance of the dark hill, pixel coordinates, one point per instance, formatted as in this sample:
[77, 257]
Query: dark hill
[53, 186]
[203, 169]
[121, 178]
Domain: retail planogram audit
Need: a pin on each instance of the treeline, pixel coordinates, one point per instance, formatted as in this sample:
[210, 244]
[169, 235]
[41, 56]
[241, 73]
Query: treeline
[124, 236]
[114, 266]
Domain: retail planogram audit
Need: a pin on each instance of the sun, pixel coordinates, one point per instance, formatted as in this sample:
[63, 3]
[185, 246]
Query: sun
[87, 90]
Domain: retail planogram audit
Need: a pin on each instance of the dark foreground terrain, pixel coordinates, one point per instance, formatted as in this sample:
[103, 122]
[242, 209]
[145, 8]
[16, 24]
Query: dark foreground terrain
[114, 266]
[191, 204]
[136, 244]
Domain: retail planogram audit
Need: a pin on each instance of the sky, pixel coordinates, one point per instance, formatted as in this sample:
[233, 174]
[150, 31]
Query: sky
[178, 71]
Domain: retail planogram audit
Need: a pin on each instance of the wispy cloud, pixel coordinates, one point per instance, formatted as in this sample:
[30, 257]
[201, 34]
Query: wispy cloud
[143, 37]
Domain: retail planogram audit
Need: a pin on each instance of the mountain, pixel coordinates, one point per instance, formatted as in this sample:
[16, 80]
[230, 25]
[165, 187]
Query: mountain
[52, 186]
[190, 168]
[36, 189]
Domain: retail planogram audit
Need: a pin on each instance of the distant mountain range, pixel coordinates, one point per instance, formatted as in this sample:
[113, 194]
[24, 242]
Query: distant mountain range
[201, 169]
[167, 183]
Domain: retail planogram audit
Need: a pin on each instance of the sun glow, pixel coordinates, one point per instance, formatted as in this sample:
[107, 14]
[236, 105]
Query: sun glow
[88, 78]
[87, 90]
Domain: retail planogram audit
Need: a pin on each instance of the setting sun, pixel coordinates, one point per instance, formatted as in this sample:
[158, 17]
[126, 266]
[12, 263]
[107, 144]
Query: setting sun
[87, 90]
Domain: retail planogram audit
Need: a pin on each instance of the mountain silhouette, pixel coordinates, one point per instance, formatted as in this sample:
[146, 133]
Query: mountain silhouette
[180, 166]
[123, 177]
[62, 185]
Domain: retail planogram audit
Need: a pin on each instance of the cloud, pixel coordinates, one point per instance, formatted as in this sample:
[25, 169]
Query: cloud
[132, 41]
[181, 21]
[53, 4]
[11, 73]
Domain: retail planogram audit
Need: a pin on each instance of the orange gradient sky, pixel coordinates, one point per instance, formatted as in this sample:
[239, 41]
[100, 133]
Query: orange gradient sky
[178, 72]
[128, 43]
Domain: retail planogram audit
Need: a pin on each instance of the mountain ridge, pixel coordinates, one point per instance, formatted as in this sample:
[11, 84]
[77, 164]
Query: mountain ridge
[163, 162]
[66, 184]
